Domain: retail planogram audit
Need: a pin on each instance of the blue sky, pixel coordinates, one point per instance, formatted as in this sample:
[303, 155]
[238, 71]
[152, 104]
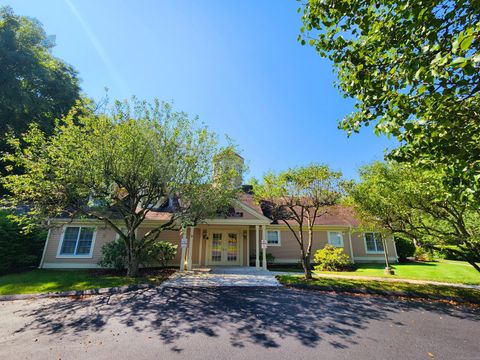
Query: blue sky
[235, 64]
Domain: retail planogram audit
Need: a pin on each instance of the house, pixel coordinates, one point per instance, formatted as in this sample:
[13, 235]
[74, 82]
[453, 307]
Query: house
[234, 240]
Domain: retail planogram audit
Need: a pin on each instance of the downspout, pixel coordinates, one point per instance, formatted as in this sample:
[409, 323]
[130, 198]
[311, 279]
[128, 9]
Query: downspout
[45, 246]
[350, 241]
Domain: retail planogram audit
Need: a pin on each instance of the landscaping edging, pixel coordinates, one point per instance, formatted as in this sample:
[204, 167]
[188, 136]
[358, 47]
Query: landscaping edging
[76, 293]
[384, 293]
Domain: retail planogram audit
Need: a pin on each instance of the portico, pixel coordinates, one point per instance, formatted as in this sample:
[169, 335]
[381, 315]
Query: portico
[234, 241]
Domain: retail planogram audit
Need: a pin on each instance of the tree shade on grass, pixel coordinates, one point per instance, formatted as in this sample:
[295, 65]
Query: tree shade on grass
[444, 271]
[42, 281]
[384, 288]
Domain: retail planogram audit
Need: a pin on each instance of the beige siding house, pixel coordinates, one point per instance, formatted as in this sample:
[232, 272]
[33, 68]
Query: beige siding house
[242, 239]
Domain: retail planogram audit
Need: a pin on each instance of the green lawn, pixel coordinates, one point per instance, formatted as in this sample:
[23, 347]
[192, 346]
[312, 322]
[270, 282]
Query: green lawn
[41, 281]
[381, 287]
[446, 271]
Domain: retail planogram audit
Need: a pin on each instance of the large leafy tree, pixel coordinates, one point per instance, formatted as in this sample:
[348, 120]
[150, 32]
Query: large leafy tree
[119, 168]
[413, 68]
[35, 86]
[414, 203]
[298, 197]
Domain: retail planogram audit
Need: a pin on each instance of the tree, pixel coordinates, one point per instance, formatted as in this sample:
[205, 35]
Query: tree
[298, 197]
[413, 68]
[121, 167]
[414, 203]
[35, 86]
[19, 250]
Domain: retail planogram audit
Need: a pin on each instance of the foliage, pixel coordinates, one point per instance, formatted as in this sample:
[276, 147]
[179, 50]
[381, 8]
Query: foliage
[405, 248]
[298, 197]
[118, 168]
[114, 255]
[423, 254]
[413, 68]
[331, 258]
[162, 252]
[36, 86]
[19, 250]
[414, 204]
[270, 259]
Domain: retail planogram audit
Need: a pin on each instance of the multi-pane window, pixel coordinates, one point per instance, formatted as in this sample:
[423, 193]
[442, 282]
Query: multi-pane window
[373, 242]
[273, 237]
[77, 240]
[335, 238]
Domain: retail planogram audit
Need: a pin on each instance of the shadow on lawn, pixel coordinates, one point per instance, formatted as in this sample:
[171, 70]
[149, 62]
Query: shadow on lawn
[248, 315]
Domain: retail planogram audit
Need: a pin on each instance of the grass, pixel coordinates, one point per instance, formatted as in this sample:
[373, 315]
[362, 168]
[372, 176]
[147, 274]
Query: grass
[41, 281]
[443, 271]
[448, 293]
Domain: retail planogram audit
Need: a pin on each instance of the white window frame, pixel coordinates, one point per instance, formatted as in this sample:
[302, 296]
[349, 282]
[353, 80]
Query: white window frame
[341, 238]
[365, 243]
[279, 243]
[81, 256]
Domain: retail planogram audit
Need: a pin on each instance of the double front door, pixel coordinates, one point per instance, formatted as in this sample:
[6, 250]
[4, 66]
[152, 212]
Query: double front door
[224, 248]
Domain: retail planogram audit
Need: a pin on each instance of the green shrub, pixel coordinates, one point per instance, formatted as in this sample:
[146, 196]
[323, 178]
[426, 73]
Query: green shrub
[270, 259]
[405, 248]
[331, 258]
[114, 254]
[423, 254]
[161, 251]
[19, 250]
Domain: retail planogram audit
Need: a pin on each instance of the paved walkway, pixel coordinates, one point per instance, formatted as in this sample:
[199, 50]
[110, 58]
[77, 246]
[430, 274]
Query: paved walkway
[376, 278]
[223, 276]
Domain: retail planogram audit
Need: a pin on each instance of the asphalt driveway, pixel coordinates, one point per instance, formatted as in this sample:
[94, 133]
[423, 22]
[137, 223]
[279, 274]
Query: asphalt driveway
[236, 323]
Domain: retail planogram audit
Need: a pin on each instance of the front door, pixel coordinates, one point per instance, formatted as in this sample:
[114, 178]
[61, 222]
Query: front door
[224, 248]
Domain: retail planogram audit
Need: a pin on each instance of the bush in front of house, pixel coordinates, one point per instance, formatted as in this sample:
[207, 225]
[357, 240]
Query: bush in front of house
[270, 258]
[114, 254]
[331, 258]
[405, 248]
[161, 251]
[424, 254]
[19, 250]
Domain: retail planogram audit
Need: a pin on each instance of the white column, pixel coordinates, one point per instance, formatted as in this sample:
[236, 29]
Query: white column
[264, 248]
[248, 246]
[257, 246]
[190, 249]
[182, 255]
[350, 241]
[200, 249]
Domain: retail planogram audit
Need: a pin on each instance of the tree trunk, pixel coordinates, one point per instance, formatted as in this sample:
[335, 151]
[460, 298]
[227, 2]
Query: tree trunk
[132, 260]
[306, 265]
[132, 266]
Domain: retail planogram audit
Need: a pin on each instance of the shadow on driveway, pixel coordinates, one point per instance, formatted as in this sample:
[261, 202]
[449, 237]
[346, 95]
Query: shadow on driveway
[261, 316]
